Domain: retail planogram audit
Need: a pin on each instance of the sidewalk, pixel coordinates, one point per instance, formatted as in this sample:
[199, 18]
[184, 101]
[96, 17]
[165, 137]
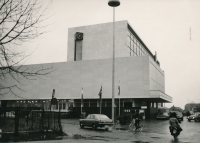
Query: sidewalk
[74, 121]
[81, 141]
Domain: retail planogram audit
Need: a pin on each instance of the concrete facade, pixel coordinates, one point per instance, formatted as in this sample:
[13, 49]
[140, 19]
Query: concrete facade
[137, 69]
[70, 77]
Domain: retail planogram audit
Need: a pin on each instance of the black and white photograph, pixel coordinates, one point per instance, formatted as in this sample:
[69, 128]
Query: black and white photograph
[99, 71]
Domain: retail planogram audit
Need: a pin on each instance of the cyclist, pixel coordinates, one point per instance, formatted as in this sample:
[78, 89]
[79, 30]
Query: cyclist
[137, 119]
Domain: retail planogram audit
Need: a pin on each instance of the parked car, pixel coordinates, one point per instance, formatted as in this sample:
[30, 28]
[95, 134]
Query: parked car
[195, 117]
[179, 115]
[164, 115]
[189, 113]
[96, 120]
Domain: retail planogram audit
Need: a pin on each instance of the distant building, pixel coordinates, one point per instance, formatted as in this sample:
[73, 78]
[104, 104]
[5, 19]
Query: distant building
[89, 66]
[192, 106]
[173, 108]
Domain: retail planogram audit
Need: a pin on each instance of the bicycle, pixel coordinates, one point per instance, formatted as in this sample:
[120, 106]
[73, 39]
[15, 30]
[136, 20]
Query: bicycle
[117, 123]
[132, 126]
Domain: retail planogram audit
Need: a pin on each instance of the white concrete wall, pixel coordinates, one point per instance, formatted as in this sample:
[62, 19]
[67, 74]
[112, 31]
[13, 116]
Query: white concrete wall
[157, 77]
[69, 78]
[98, 41]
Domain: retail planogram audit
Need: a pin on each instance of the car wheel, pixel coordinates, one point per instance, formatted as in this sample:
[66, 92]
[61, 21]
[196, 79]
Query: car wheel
[106, 129]
[182, 119]
[189, 120]
[94, 127]
[195, 120]
[81, 125]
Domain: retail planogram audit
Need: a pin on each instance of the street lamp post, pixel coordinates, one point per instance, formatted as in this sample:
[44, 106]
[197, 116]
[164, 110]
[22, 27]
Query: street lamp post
[113, 3]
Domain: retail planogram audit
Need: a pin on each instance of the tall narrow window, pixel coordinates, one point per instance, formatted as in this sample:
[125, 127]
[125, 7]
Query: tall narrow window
[78, 46]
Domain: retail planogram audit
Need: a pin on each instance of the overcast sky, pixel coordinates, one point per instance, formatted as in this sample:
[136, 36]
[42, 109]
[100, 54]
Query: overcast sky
[163, 25]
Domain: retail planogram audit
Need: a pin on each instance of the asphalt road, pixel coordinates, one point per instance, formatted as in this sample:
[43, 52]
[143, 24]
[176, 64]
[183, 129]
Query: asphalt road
[154, 131]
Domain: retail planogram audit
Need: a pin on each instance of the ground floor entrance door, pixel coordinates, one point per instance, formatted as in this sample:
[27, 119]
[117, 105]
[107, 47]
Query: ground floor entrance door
[127, 104]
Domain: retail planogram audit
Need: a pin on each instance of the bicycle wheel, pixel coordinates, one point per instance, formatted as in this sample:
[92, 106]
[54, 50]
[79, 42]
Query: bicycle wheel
[141, 127]
[131, 127]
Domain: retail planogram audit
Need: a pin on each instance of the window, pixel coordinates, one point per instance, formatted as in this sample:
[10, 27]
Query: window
[131, 37]
[140, 49]
[93, 104]
[86, 104]
[91, 116]
[64, 105]
[128, 41]
[46, 106]
[134, 39]
[78, 46]
[135, 49]
[128, 33]
[60, 105]
[88, 117]
[78, 50]
[137, 42]
[145, 52]
[132, 49]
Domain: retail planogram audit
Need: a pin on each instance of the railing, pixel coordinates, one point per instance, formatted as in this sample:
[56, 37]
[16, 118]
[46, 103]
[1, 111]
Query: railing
[29, 120]
[160, 94]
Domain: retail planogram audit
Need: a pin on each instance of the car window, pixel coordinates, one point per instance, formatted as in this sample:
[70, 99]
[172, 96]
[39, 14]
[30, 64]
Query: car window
[88, 117]
[92, 117]
[102, 117]
[165, 114]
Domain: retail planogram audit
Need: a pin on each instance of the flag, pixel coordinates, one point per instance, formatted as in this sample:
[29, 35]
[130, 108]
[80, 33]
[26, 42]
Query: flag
[100, 92]
[82, 98]
[119, 89]
[53, 94]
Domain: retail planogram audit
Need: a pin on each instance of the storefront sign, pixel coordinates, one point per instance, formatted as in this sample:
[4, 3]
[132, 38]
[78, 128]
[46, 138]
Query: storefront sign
[143, 107]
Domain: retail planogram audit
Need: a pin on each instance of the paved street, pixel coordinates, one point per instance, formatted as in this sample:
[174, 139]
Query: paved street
[154, 131]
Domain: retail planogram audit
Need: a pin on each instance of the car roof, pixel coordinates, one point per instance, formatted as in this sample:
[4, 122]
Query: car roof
[97, 114]
[176, 111]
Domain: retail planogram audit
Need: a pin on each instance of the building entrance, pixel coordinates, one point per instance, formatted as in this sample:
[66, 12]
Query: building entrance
[127, 104]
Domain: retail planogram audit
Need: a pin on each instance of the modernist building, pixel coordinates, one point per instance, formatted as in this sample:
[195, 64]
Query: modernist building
[89, 66]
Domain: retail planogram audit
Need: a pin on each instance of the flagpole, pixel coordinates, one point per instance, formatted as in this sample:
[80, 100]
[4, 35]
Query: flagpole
[119, 97]
[100, 94]
[81, 100]
[119, 106]
[100, 106]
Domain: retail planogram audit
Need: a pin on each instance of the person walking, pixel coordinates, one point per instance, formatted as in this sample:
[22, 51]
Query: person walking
[137, 119]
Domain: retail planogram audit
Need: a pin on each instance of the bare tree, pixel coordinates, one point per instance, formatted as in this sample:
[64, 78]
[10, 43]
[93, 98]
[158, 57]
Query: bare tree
[20, 21]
